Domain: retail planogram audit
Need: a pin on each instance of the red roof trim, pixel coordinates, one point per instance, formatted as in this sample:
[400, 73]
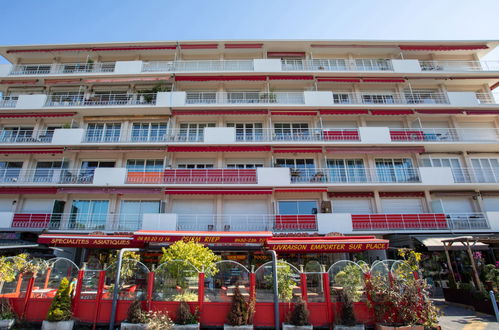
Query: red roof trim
[344, 112]
[293, 150]
[300, 190]
[18, 82]
[352, 46]
[293, 113]
[351, 194]
[391, 112]
[31, 151]
[217, 112]
[97, 49]
[383, 80]
[374, 150]
[279, 54]
[443, 48]
[237, 46]
[62, 81]
[218, 192]
[198, 46]
[482, 112]
[494, 86]
[218, 149]
[402, 194]
[220, 78]
[91, 49]
[291, 77]
[439, 111]
[37, 114]
[13, 190]
[332, 79]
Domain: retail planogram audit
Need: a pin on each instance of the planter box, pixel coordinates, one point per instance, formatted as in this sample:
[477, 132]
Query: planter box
[238, 327]
[7, 324]
[62, 325]
[186, 326]
[404, 327]
[133, 326]
[286, 326]
[352, 327]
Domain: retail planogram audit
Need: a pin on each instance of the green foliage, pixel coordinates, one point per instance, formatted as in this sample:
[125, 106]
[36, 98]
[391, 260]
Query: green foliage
[411, 257]
[128, 266]
[158, 321]
[20, 264]
[135, 313]
[285, 281]
[347, 314]
[300, 314]
[491, 274]
[6, 311]
[60, 309]
[184, 315]
[186, 295]
[351, 279]
[241, 311]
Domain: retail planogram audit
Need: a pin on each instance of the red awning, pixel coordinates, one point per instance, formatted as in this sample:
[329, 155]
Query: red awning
[125, 80]
[333, 79]
[18, 82]
[443, 48]
[89, 49]
[344, 112]
[89, 241]
[375, 150]
[383, 80]
[198, 46]
[37, 114]
[351, 194]
[294, 150]
[326, 244]
[300, 190]
[99, 49]
[31, 151]
[220, 78]
[401, 194]
[439, 111]
[218, 149]
[291, 77]
[482, 112]
[284, 54]
[293, 113]
[217, 112]
[28, 190]
[121, 191]
[391, 112]
[62, 81]
[205, 237]
[218, 191]
[237, 46]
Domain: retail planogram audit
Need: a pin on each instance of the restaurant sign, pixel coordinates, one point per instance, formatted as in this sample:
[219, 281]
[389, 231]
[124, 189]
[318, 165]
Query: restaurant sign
[198, 237]
[332, 247]
[116, 242]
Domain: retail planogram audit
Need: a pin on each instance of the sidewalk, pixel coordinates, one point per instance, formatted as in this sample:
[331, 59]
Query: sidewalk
[458, 317]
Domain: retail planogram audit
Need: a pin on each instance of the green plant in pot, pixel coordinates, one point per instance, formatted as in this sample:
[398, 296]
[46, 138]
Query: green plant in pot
[285, 281]
[350, 285]
[491, 275]
[7, 315]
[185, 319]
[299, 317]
[59, 314]
[136, 317]
[241, 312]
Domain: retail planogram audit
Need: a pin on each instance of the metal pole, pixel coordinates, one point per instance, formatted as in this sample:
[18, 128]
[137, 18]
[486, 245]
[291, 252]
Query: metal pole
[276, 289]
[116, 286]
[494, 304]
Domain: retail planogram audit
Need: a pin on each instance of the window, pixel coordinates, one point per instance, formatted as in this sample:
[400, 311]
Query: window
[352, 205]
[485, 169]
[427, 96]
[144, 165]
[346, 170]
[195, 166]
[48, 133]
[9, 171]
[396, 170]
[291, 131]
[379, 98]
[373, 64]
[88, 168]
[302, 170]
[341, 97]
[244, 165]
[193, 132]
[49, 171]
[454, 164]
[243, 97]
[17, 134]
[131, 213]
[100, 132]
[248, 131]
[89, 214]
[148, 132]
[297, 207]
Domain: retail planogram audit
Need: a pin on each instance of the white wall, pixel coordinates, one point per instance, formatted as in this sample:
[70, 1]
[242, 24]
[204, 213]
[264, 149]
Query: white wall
[35, 101]
[109, 176]
[164, 99]
[68, 136]
[175, 99]
[462, 98]
[159, 221]
[334, 223]
[267, 65]
[6, 219]
[493, 218]
[436, 175]
[5, 69]
[128, 67]
[219, 135]
[278, 176]
[406, 66]
[318, 99]
[375, 134]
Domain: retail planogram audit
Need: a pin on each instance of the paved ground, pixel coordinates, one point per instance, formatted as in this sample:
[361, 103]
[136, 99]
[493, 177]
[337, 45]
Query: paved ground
[457, 317]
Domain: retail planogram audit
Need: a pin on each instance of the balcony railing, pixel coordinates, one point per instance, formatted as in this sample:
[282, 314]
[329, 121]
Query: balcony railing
[8, 102]
[389, 98]
[457, 66]
[245, 98]
[25, 136]
[472, 175]
[337, 65]
[207, 65]
[194, 176]
[444, 134]
[355, 175]
[415, 222]
[46, 176]
[143, 136]
[61, 68]
[300, 134]
[487, 98]
[80, 100]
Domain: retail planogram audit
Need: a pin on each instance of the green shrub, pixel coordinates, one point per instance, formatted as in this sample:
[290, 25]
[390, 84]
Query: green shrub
[6, 312]
[60, 309]
[299, 314]
[184, 315]
[241, 311]
[135, 313]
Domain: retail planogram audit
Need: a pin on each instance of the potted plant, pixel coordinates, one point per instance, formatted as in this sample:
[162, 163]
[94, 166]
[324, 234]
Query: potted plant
[285, 281]
[298, 318]
[59, 314]
[351, 281]
[136, 319]
[185, 319]
[241, 312]
[158, 321]
[7, 315]
[347, 317]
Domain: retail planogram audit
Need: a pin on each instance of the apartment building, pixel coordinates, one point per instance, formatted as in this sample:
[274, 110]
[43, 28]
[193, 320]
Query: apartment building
[104, 143]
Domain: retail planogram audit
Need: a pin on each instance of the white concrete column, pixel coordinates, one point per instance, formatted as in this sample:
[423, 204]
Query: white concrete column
[377, 202]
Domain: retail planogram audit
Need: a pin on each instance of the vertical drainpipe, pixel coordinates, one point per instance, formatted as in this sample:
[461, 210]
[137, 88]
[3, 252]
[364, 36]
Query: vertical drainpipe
[276, 289]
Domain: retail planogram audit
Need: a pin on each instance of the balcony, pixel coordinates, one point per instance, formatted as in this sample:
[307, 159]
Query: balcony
[194, 176]
[252, 98]
[118, 99]
[44, 176]
[298, 135]
[136, 136]
[61, 68]
[459, 66]
[376, 98]
[8, 102]
[355, 175]
[25, 136]
[471, 175]
[198, 66]
[337, 65]
[444, 134]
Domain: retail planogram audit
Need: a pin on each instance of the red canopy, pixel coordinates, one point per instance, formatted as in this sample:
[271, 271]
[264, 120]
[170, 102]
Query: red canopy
[326, 244]
[28, 190]
[206, 237]
[219, 149]
[89, 241]
[36, 114]
[218, 191]
[31, 150]
[443, 48]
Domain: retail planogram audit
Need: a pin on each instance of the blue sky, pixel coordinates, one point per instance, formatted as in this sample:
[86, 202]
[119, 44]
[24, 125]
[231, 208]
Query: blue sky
[74, 21]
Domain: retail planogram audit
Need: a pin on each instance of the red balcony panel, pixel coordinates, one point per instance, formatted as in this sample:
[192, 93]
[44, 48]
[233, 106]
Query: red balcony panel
[31, 220]
[341, 135]
[407, 135]
[399, 221]
[296, 222]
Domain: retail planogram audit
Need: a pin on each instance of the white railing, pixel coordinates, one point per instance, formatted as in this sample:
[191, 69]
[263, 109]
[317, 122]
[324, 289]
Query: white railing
[337, 64]
[487, 98]
[458, 66]
[389, 98]
[355, 175]
[8, 102]
[61, 68]
[143, 136]
[297, 134]
[245, 98]
[25, 136]
[205, 65]
[47, 176]
[193, 176]
[78, 100]
[444, 134]
[472, 175]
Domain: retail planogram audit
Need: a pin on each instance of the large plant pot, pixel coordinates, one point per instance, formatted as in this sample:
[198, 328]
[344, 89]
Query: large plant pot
[61, 325]
[286, 326]
[133, 326]
[349, 327]
[186, 326]
[7, 324]
[483, 305]
[238, 327]
[403, 327]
